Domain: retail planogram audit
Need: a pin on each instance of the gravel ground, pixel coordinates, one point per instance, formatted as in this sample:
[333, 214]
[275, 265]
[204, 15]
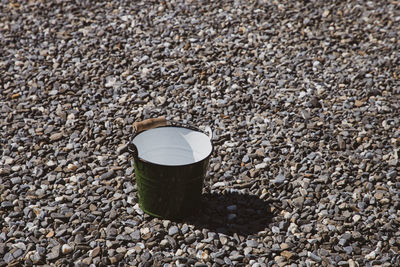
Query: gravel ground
[303, 97]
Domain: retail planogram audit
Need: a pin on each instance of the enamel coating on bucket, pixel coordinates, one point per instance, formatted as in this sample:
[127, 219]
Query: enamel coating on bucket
[170, 190]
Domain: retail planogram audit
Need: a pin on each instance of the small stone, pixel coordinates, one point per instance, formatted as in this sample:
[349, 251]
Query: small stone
[287, 254]
[371, 255]
[261, 165]
[342, 263]
[145, 256]
[16, 180]
[107, 175]
[8, 257]
[378, 195]
[113, 260]
[298, 201]
[72, 167]
[164, 242]
[356, 218]
[284, 246]
[8, 161]
[275, 230]
[358, 103]
[326, 13]
[341, 143]
[65, 249]
[94, 252]
[184, 229]
[314, 257]
[87, 260]
[35, 257]
[173, 230]
[54, 254]
[56, 136]
[314, 103]
[218, 184]
[135, 235]
[15, 96]
[50, 234]
[205, 256]
[247, 250]
[18, 253]
[110, 81]
[217, 166]
[352, 263]
[122, 148]
[223, 239]
[348, 249]
[7, 204]
[260, 153]
[16, 168]
[280, 178]
[245, 159]
[252, 243]
[161, 100]
[392, 174]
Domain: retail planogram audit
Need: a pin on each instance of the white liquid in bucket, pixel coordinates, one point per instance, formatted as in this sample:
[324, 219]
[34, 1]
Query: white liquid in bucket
[172, 146]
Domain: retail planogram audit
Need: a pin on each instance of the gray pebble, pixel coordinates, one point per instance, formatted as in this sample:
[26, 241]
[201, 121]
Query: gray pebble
[173, 230]
[107, 175]
[16, 180]
[314, 257]
[305, 137]
[8, 257]
[252, 243]
[245, 159]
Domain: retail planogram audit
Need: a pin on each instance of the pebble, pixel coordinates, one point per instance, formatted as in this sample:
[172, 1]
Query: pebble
[94, 252]
[371, 255]
[8, 257]
[356, 218]
[54, 253]
[245, 159]
[107, 175]
[252, 243]
[275, 229]
[300, 116]
[314, 257]
[173, 230]
[261, 165]
[65, 249]
[218, 184]
[56, 136]
[16, 180]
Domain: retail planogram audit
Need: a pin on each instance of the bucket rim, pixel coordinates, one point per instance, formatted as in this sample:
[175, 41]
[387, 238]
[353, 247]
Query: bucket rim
[137, 157]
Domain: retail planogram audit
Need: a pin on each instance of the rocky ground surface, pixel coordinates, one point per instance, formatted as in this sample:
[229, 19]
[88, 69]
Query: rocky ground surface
[303, 97]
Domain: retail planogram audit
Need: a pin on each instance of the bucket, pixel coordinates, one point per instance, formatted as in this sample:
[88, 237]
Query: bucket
[170, 162]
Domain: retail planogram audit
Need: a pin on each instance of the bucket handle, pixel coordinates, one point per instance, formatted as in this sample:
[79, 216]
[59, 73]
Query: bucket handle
[141, 126]
[147, 124]
[144, 125]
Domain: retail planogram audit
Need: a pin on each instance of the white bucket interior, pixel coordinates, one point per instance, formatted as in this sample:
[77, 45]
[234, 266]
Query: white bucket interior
[172, 146]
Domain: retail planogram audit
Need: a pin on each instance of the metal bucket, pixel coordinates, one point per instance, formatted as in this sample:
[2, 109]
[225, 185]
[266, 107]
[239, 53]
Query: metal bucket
[170, 164]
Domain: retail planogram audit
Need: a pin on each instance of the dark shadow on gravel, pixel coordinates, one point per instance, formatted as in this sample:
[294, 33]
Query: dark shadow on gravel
[230, 213]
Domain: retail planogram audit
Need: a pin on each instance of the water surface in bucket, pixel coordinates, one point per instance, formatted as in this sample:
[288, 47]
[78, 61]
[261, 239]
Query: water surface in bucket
[172, 146]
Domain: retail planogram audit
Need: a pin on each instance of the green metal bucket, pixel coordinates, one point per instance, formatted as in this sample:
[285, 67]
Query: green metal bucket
[170, 165]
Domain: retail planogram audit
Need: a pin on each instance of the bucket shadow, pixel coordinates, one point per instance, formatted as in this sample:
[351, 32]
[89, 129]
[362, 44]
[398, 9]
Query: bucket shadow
[231, 213]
